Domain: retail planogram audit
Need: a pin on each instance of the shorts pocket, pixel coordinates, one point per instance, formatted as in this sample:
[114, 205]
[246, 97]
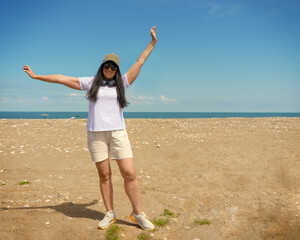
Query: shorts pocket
[93, 142]
[119, 138]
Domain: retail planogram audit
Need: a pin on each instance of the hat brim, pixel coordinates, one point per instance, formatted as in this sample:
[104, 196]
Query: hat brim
[104, 61]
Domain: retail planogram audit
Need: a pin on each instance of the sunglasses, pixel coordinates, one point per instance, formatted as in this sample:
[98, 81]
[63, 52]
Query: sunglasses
[112, 66]
[111, 83]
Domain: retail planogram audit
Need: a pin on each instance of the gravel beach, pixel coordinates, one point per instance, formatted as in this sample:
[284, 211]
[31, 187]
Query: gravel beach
[225, 178]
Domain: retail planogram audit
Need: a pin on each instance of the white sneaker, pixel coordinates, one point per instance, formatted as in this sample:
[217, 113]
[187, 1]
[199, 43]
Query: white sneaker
[108, 219]
[142, 221]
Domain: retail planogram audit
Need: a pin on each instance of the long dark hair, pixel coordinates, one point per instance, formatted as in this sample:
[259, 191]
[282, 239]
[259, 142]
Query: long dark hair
[92, 93]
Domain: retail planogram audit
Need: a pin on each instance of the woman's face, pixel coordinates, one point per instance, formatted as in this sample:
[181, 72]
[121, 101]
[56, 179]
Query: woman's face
[109, 70]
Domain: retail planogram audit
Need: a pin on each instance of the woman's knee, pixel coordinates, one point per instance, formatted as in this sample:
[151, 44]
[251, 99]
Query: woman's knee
[127, 169]
[129, 176]
[104, 171]
[104, 176]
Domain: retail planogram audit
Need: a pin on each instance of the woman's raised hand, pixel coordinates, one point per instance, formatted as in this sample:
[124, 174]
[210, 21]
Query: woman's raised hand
[29, 71]
[153, 34]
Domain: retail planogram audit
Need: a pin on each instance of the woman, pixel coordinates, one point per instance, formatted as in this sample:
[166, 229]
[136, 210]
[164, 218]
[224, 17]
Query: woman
[106, 131]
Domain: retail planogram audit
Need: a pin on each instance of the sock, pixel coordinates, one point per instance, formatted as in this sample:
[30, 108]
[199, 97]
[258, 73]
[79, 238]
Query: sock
[138, 215]
[112, 211]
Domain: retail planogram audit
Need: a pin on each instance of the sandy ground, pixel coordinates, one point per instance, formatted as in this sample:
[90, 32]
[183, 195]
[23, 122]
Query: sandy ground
[242, 175]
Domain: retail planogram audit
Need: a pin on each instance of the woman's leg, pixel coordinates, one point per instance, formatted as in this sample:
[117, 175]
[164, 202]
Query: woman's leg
[104, 172]
[127, 170]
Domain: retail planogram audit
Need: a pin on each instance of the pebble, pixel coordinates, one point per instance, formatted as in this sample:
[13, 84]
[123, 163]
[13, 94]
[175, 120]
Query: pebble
[26, 205]
[47, 223]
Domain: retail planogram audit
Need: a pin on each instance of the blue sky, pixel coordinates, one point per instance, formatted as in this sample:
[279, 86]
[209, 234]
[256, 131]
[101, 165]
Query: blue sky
[211, 55]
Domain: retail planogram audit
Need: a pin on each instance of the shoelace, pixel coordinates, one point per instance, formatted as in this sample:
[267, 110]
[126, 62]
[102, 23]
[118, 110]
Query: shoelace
[107, 215]
[144, 215]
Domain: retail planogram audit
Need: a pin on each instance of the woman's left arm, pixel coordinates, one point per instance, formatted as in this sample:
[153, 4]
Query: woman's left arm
[135, 69]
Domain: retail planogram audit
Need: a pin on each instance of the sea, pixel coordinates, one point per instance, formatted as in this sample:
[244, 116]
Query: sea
[161, 115]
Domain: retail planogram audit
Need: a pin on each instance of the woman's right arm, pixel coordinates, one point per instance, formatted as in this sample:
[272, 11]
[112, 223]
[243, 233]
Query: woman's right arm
[71, 82]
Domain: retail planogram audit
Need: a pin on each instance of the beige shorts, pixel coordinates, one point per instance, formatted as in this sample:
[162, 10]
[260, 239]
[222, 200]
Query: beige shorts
[113, 144]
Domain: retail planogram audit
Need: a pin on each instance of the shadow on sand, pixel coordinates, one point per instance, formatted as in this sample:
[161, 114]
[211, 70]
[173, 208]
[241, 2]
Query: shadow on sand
[75, 210]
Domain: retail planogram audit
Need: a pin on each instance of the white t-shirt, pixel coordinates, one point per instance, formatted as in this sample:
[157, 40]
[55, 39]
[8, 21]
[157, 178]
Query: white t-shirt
[105, 114]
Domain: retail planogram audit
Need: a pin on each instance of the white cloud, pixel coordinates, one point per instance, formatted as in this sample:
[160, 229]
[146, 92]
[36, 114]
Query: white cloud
[141, 97]
[214, 7]
[3, 99]
[76, 94]
[166, 100]
[146, 100]
[45, 98]
[224, 9]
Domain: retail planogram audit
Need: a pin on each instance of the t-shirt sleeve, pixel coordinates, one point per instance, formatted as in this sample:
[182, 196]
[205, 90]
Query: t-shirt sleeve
[85, 82]
[125, 81]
